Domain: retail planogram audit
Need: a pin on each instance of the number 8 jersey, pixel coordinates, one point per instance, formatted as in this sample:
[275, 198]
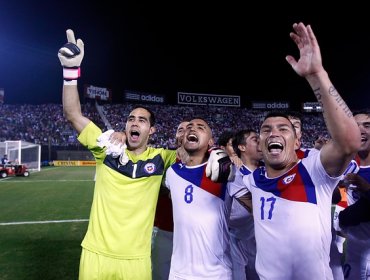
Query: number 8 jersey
[201, 247]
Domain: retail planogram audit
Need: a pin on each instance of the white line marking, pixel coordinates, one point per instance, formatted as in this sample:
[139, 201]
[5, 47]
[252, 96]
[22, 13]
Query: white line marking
[31, 181]
[43, 222]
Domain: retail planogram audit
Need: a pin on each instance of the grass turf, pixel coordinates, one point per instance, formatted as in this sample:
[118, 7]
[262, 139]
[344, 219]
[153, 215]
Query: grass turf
[50, 249]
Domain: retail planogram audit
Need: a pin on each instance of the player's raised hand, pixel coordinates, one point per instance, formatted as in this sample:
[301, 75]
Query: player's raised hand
[71, 55]
[310, 61]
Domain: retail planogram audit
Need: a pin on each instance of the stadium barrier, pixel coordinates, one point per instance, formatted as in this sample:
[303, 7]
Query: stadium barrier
[74, 163]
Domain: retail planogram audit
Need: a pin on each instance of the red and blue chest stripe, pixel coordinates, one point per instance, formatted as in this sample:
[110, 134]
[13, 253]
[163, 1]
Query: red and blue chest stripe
[197, 176]
[302, 153]
[295, 185]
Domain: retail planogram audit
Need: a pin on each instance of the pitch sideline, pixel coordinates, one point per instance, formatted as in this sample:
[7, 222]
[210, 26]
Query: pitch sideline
[44, 222]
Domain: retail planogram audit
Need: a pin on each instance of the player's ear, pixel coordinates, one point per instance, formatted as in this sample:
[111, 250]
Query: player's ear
[242, 147]
[152, 130]
[297, 144]
[211, 142]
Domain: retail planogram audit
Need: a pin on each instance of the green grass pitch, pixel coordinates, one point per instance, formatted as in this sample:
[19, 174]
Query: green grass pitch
[43, 219]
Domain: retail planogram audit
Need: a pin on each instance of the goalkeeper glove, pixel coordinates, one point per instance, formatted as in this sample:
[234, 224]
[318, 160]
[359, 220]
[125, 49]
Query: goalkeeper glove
[70, 56]
[219, 166]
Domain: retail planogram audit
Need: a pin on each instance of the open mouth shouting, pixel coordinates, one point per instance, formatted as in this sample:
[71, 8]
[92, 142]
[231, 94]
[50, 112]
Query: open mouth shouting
[275, 148]
[134, 135]
[192, 138]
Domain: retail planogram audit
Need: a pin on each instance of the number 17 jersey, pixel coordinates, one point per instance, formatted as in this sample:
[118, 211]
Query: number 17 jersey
[292, 220]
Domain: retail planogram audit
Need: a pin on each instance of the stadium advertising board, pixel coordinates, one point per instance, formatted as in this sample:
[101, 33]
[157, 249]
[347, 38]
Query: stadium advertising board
[187, 98]
[98, 93]
[145, 97]
[311, 107]
[74, 163]
[271, 105]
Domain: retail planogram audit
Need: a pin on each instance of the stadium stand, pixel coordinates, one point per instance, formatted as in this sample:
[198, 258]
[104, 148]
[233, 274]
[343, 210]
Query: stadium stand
[45, 125]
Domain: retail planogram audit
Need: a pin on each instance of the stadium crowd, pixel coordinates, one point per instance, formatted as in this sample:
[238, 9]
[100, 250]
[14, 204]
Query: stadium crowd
[45, 125]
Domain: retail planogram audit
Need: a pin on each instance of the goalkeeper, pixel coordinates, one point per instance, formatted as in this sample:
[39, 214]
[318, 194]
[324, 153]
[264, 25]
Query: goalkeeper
[117, 243]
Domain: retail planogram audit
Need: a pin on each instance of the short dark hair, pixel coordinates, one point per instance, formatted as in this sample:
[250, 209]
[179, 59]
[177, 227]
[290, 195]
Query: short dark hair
[275, 114]
[294, 114]
[151, 114]
[198, 118]
[224, 137]
[239, 139]
[362, 112]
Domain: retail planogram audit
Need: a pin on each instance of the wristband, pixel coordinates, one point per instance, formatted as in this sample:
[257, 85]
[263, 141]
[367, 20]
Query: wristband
[71, 73]
[70, 82]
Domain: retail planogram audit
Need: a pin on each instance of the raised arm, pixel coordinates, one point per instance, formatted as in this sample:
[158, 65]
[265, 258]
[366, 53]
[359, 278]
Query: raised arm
[339, 120]
[70, 56]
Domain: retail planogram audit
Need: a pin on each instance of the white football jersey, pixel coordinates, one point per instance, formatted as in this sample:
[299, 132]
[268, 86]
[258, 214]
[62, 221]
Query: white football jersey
[292, 220]
[241, 221]
[201, 246]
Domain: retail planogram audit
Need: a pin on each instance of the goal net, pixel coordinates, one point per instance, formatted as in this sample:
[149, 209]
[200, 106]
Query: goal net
[22, 152]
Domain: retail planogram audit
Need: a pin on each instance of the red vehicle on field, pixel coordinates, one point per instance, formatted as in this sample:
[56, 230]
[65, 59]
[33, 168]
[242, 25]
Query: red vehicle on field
[13, 170]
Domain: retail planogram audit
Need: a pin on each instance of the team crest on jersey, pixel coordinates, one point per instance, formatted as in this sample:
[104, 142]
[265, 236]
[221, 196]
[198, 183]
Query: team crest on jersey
[149, 167]
[289, 179]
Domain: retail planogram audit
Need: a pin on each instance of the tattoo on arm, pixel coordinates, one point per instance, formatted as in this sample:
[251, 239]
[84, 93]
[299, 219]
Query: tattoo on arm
[333, 92]
[318, 97]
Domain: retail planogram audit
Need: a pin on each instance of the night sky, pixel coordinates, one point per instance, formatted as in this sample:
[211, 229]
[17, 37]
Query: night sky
[222, 50]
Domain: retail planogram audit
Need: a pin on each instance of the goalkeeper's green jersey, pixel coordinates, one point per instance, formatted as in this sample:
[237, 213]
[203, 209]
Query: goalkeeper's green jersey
[125, 198]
